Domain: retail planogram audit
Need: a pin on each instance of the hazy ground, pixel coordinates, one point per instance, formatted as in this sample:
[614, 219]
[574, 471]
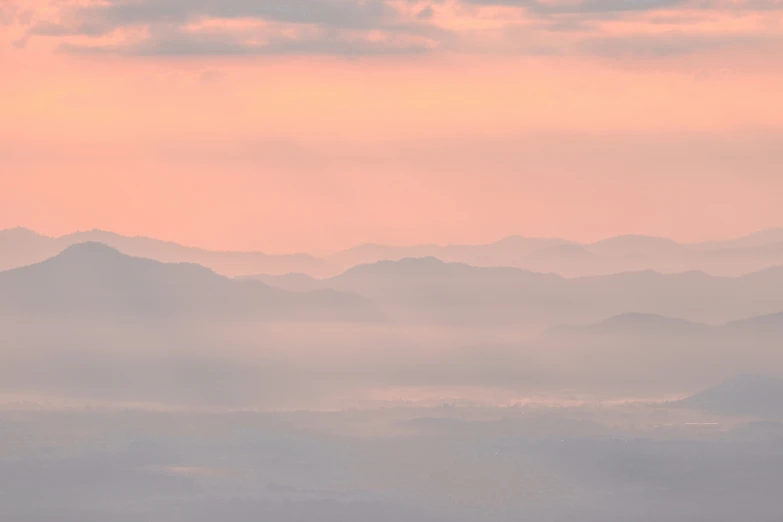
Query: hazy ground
[594, 462]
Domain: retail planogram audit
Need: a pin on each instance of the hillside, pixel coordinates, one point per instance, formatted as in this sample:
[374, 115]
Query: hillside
[93, 280]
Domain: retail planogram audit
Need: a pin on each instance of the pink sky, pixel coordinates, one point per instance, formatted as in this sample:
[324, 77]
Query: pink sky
[249, 125]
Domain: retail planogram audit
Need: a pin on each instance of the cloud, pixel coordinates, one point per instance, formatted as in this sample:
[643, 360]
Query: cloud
[583, 7]
[351, 28]
[426, 13]
[335, 14]
[337, 27]
[628, 6]
[259, 42]
[355, 14]
[190, 46]
[8, 12]
[674, 43]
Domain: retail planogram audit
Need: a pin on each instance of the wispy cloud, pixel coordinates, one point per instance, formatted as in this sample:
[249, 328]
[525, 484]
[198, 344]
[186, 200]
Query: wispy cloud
[177, 27]
[9, 12]
[646, 28]
[586, 6]
[175, 42]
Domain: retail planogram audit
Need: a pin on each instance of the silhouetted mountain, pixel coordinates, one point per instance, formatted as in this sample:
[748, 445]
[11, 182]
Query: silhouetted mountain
[370, 253]
[638, 324]
[761, 325]
[635, 350]
[94, 280]
[611, 255]
[505, 252]
[635, 246]
[756, 239]
[671, 341]
[745, 395]
[21, 247]
[423, 267]
[427, 289]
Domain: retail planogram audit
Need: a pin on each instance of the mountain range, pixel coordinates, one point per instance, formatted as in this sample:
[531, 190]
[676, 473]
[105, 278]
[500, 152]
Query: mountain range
[92, 322]
[625, 253]
[100, 317]
[93, 280]
[20, 247]
[733, 257]
[430, 290]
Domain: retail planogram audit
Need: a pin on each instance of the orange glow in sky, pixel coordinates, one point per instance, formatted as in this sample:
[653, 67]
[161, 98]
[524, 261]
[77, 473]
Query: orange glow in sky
[248, 126]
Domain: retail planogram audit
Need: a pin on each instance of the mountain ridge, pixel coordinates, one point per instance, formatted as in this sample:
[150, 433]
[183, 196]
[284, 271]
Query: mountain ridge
[622, 253]
[747, 395]
[95, 279]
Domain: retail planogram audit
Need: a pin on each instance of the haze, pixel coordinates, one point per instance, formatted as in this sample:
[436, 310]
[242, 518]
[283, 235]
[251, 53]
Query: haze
[391, 261]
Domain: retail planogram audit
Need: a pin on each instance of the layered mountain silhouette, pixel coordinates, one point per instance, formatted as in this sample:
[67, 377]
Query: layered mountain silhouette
[20, 247]
[451, 323]
[94, 323]
[506, 252]
[757, 326]
[757, 239]
[637, 324]
[636, 246]
[656, 352]
[94, 280]
[734, 257]
[653, 326]
[427, 289]
[572, 259]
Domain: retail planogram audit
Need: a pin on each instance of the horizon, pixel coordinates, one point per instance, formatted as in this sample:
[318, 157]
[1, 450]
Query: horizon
[378, 244]
[391, 260]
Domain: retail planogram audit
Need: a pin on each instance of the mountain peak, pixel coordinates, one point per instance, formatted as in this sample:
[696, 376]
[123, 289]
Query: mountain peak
[19, 232]
[758, 325]
[95, 255]
[638, 324]
[746, 395]
[91, 249]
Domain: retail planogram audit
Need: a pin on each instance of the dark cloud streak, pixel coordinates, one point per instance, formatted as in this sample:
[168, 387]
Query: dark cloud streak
[585, 7]
[183, 45]
[345, 14]
[333, 27]
[352, 28]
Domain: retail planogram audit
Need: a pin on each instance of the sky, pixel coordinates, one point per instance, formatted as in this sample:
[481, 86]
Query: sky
[318, 124]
